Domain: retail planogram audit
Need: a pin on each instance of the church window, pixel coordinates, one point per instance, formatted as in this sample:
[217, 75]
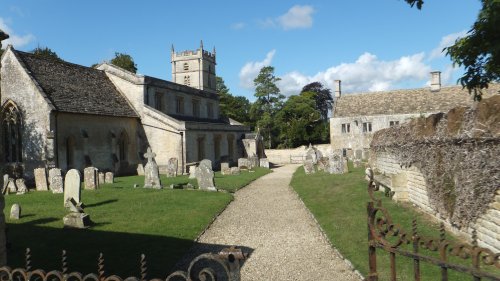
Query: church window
[179, 105]
[201, 148]
[209, 82]
[186, 66]
[70, 152]
[217, 147]
[230, 146]
[367, 127]
[187, 80]
[123, 146]
[196, 108]
[210, 110]
[346, 128]
[393, 123]
[159, 101]
[11, 125]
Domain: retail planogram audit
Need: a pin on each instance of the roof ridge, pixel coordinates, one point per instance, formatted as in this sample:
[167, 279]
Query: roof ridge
[56, 60]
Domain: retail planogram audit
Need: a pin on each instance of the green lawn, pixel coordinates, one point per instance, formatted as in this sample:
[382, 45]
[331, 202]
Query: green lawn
[339, 204]
[127, 222]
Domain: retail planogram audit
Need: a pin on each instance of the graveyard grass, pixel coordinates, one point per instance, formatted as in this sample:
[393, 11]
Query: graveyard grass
[339, 203]
[128, 222]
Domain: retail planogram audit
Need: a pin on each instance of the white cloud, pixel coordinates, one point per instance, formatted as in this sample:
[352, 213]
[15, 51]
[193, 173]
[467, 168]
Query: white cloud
[251, 69]
[367, 73]
[446, 41]
[14, 39]
[297, 17]
[238, 25]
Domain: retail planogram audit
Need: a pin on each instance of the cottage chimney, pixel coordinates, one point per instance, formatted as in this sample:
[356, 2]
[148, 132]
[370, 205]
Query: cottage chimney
[337, 89]
[435, 81]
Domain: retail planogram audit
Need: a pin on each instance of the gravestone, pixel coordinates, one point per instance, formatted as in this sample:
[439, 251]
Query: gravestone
[140, 170]
[5, 183]
[336, 164]
[172, 166]
[346, 167]
[323, 164]
[100, 179]
[151, 172]
[77, 218]
[235, 171]
[192, 172]
[224, 169]
[243, 162]
[356, 163]
[15, 212]
[90, 178]
[365, 154]
[264, 163]
[309, 166]
[205, 176]
[41, 179]
[311, 152]
[358, 154]
[56, 184]
[253, 162]
[109, 177]
[52, 173]
[11, 186]
[21, 187]
[72, 186]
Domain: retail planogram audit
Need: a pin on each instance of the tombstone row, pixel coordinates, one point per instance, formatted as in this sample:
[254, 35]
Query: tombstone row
[54, 182]
[334, 163]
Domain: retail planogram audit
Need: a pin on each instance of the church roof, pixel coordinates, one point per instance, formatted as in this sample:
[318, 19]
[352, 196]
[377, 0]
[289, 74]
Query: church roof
[76, 89]
[410, 101]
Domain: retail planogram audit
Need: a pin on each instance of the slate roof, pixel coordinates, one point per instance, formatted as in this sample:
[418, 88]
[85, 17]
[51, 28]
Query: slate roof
[406, 101]
[76, 89]
[199, 119]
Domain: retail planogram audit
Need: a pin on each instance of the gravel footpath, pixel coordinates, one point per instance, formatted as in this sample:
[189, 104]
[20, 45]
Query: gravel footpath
[268, 220]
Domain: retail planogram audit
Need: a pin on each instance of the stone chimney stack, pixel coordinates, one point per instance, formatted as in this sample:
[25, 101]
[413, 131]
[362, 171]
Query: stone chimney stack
[435, 81]
[337, 89]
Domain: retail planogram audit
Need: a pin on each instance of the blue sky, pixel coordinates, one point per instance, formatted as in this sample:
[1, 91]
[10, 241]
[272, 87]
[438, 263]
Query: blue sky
[369, 45]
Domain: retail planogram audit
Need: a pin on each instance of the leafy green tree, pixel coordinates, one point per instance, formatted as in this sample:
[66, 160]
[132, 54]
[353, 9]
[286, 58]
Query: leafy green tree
[322, 97]
[479, 51]
[234, 107]
[45, 52]
[124, 61]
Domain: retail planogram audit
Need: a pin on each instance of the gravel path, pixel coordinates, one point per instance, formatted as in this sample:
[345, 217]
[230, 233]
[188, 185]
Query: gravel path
[268, 220]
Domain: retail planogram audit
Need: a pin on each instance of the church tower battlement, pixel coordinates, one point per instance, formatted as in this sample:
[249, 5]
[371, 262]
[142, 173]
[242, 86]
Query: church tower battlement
[194, 68]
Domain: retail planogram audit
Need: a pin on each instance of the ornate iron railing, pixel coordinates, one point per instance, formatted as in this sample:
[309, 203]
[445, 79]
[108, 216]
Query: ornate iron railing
[385, 234]
[222, 266]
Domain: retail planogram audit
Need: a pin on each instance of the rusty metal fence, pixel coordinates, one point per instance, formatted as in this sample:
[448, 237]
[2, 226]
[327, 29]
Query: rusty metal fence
[222, 266]
[385, 234]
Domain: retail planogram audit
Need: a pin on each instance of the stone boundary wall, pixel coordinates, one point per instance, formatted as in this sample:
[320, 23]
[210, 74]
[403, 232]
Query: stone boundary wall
[448, 165]
[282, 156]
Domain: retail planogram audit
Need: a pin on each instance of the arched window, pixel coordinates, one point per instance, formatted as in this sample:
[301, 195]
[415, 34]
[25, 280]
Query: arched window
[187, 81]
[123, 146]
[70, 152]
[11, 129]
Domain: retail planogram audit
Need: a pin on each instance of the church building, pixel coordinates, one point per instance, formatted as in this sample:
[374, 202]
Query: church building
[58, 114]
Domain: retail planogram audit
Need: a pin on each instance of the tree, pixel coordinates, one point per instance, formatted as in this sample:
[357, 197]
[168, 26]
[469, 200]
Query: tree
[479, 51]
[322, 97]
[234, 107]
[45, 52]
[124, 61]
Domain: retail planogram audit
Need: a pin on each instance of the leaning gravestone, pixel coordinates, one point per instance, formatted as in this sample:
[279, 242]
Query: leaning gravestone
[172, 166]
[72, 186]
[11, 186]
[205, 176]
[192, 172]
[52, 173]
[41, 179]
[15, 212]
[151, 172]
[21, 187]
[224, 169]
[309, 166]
[109, 177]
[56, 184]
[77, 218]
[264, 163]
[140, 170]
[90, 178]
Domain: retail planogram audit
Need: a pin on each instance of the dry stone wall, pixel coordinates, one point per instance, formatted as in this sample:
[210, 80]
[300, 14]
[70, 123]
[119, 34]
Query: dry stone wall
[452, 167]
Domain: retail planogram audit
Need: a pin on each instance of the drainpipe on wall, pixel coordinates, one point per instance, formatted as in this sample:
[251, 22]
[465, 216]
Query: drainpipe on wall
[182, 153]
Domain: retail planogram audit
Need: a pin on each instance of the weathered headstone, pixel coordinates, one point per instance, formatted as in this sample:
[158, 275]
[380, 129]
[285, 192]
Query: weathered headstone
[56, 184]
[15, 212]
[346, 166]
[358, 154]
[72, 186]
[309, 166]
[205, 176]
[41, 179]
[242, 162]
[77, 218]
[11, 186]
[253, 162]
[52, 173]
[172, 166]
[224, 169]
[192, 172]
[336, 164]
[323, 164]
[90, 178]
[100, 179]
[151, 172]
[235, 171]
[311, 152]
[140, 170]
[109, 177]
[264, 163]
[356, 163]
[21, 186]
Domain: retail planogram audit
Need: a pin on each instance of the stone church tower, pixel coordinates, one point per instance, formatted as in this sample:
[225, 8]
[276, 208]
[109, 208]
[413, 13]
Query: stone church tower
[194, 68]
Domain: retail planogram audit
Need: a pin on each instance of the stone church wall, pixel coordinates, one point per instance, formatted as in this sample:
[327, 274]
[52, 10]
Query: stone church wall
[447, 164]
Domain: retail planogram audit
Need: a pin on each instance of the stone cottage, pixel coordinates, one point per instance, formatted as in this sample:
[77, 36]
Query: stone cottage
[357, 116]
[58, 114]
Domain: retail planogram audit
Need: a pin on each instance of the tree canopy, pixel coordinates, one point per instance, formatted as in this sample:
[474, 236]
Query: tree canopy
[124, 61]
[322, 97]
[45, 52]
[234, 107]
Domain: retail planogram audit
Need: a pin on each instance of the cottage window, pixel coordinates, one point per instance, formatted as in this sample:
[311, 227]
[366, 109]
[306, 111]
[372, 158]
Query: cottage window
[196, 108]
[367, 127]
[346, 128]
[179, 105]
[11, 126]
[393, 123]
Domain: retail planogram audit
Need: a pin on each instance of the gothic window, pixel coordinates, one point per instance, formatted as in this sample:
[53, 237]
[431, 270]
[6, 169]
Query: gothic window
[393, 123]
[187, 80]
[201, 148]
[159, 101]
[210, 110]
[230, 146]
[217, 147]
[367, 127]
[186, 66]
[11, 126]
[70, 152]
[179, 105]
[346, 128]
[196, 108]
[123, 146]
